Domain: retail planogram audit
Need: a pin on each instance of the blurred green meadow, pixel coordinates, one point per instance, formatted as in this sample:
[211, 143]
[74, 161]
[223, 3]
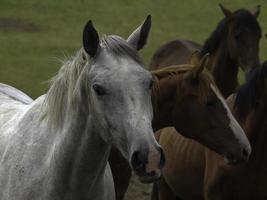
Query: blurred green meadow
[35, 35]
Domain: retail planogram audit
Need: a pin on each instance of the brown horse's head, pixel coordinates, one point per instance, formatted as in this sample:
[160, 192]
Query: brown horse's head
[243, 35]
[250, 103]
[198, 110]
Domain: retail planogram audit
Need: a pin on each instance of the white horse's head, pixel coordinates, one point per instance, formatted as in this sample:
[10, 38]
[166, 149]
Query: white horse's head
[119, 89]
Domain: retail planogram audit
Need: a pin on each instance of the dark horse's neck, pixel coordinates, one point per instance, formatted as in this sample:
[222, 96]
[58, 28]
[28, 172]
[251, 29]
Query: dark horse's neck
[223, 66]
[257, 135]
[250, 108]
[225, 72]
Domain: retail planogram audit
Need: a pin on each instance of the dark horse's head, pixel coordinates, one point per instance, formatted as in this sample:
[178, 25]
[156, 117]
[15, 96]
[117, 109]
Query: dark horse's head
[238, 34]
[244, 34]
[251, 98]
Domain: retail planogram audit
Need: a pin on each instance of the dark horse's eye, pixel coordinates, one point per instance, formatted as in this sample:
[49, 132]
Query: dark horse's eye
[99, 90]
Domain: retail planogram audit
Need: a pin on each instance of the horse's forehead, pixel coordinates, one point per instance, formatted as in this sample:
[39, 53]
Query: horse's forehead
[123, 68]
[247, 21]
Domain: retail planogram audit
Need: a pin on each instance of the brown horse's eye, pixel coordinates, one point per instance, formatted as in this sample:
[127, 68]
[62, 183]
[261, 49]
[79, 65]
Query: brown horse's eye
[212, 103]
[99, 90]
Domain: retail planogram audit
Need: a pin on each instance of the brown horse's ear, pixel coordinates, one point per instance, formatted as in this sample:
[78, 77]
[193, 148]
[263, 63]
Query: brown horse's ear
[195, 57]
[256, 11]
[201, 65]
[228, 13]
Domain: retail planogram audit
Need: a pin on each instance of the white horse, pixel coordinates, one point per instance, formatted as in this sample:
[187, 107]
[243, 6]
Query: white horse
[56, 147]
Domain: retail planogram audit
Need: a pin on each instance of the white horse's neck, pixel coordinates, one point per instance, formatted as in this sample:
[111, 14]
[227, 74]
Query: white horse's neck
[79, 155]
[66, 164]
[80, 159]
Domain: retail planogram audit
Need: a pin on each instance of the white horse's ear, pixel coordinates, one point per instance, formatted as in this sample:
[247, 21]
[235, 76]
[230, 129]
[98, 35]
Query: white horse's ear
[90, 39]
[139, 37]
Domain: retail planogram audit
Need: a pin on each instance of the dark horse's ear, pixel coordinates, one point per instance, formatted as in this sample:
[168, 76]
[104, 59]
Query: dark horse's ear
[90, 39]
[139, 37]
[201, 66]
[256, 11]
[227, 13]
[265, 36]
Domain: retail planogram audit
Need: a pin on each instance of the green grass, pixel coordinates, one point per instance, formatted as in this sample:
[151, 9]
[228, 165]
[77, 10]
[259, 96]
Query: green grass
[28, 59]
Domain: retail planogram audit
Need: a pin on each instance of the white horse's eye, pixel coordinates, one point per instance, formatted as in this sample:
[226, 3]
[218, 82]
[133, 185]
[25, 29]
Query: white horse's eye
[99, 90]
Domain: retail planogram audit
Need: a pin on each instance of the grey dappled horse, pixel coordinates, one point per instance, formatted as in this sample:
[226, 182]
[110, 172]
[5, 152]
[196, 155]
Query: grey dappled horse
[56, 147]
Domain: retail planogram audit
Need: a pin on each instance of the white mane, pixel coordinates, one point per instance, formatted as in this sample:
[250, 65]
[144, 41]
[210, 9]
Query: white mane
[67, 88]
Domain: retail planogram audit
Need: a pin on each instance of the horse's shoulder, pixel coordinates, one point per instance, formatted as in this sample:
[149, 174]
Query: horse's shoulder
[15, 94]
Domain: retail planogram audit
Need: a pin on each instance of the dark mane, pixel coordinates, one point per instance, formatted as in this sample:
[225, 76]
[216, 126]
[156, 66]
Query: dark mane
[213, 41]
[120, 48]
[242, 18]
[251, 91]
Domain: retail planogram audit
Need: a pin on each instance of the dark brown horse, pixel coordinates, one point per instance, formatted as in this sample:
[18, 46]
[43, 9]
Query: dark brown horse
[235, 42]
[194, 172]
[186, 98]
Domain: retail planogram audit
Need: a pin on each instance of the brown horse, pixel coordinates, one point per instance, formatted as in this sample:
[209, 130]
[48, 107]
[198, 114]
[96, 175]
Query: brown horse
[235, 42]
[194, 172]
[186, 98]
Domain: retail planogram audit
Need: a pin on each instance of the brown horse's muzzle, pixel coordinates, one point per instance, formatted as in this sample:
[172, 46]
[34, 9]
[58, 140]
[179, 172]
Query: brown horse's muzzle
[237, 157]
[147, 164]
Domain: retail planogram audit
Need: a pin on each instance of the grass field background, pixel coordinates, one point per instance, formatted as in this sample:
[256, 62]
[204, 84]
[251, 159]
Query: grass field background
[53, 30]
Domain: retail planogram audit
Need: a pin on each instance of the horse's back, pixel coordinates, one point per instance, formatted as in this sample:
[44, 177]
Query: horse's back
[15, 94]
[175, 52]
[186, 159]
[12, 103]
[23, 148]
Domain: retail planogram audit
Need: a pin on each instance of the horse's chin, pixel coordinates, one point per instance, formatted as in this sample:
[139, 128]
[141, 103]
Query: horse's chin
[148, 179]
[232, 161]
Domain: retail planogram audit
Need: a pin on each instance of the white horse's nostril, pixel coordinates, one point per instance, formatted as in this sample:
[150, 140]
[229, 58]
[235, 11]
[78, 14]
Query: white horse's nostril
[138, 162]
